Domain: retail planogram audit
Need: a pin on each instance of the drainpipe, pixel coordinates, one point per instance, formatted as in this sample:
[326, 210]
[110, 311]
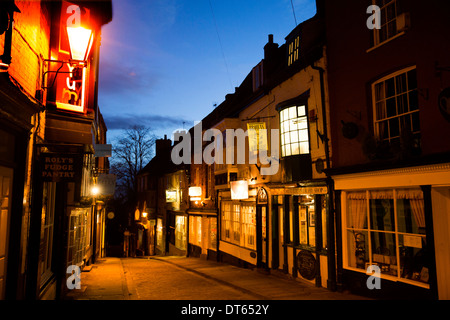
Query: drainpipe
[331, 282]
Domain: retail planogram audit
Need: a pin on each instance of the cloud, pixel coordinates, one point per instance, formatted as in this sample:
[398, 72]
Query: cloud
[155, 122]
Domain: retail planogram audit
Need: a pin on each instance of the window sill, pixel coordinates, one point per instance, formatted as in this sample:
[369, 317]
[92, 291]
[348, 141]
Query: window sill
[385, 41]
[392, 278]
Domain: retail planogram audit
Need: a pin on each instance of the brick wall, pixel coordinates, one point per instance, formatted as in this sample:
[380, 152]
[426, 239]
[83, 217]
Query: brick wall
[30, 44]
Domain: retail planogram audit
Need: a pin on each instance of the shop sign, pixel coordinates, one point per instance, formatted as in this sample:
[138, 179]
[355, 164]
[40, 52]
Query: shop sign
[102, 150]
[107, 184]
[61, 168]
[171, 196]
[306, 265]
[257, 136]
[262, 196]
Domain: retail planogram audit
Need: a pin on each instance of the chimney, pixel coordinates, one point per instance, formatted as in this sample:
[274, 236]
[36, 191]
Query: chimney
[320, 7]
[163, 145]
[270, 49]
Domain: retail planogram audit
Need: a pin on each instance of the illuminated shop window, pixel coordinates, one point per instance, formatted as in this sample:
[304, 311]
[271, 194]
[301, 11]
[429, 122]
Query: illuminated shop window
[294, 131]
[386, 228]
[396, 107]
[239, 224]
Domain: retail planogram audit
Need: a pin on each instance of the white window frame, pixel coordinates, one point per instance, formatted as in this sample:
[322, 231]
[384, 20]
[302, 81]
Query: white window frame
[377, 121]
[238, 224]
[290, 137]
[369, 230]
[377, 32]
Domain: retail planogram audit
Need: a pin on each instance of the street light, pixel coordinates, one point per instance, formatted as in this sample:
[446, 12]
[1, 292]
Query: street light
[95, 191]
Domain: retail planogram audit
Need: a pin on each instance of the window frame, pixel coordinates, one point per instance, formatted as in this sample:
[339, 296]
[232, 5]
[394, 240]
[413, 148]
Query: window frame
[376, 121]
[235, 225]
[282, 121]
[376, 33]
[369, 231]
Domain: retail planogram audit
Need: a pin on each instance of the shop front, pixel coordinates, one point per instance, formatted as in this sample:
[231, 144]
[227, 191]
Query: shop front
[395, 221]
[299, 232]
[202, 233]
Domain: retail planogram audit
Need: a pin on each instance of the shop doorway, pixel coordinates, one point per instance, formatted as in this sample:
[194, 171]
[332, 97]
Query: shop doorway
[261, 229]
[6, 178]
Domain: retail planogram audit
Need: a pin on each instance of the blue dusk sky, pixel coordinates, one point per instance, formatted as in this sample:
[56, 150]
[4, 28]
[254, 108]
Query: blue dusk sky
[165, 63]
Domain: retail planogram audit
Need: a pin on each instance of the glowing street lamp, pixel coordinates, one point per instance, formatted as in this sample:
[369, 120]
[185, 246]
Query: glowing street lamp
[95, 191]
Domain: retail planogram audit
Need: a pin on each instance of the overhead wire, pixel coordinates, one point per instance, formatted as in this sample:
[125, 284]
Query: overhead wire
[221, 46]
[293, 11]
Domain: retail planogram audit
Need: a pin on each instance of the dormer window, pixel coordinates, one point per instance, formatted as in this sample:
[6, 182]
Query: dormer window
[293, 50]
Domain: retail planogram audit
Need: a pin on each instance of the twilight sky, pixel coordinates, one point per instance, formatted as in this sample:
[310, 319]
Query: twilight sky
[165, 62]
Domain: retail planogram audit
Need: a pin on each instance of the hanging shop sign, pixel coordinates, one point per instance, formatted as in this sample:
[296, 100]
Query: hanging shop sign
[61, 167]
[306, 265]
[261, 196]
[107, 184]
[68, 70]
[257, 136]
[102, 150]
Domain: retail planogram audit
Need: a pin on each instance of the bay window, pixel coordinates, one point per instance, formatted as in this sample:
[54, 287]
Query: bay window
[294, 131]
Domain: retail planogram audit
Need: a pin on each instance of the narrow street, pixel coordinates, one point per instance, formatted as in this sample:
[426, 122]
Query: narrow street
[181, 278]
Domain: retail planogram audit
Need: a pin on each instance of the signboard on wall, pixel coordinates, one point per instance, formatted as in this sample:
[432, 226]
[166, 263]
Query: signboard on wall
[61, 167]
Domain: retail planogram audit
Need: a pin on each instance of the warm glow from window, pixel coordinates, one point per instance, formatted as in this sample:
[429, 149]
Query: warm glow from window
[80, 40]
[294, 131]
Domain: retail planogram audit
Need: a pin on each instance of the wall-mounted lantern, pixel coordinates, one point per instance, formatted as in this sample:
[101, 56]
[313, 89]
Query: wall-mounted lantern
[67, 75]
[195, 193]
[239, 190]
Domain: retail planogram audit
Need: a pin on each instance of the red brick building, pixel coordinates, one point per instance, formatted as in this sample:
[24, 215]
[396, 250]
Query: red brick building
[46, 145]
[388, 90]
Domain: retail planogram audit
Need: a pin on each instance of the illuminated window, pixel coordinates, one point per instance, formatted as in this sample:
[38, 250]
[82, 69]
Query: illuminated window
[396, 107]
[294, 131]
[293, 50]
[239, 224]
[386, 228]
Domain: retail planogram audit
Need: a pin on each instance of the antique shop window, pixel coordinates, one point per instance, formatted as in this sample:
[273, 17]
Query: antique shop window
[396, 108]
[387, 228]
[294, 131]
[239, 223]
